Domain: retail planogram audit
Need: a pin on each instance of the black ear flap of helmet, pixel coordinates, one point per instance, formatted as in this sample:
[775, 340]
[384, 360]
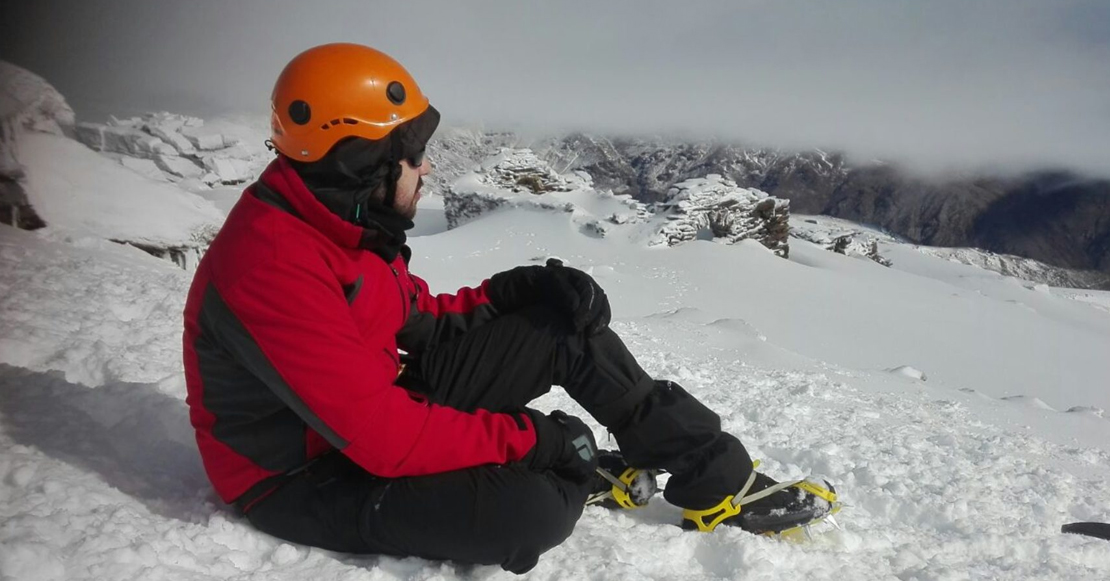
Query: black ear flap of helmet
[352, 163]
[416, 133]
[407, 141]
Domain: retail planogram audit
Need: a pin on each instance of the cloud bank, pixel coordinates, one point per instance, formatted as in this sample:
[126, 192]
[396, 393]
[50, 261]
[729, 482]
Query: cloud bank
[944, 85]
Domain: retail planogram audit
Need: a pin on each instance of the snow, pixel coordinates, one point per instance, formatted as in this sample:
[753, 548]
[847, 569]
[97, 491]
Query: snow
[187, 149]
[79, 192]
[968, 475]
[959, 412]
[28, 101]
[818, 363]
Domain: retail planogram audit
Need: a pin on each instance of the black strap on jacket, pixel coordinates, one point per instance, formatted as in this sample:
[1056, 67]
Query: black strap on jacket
[265, 194]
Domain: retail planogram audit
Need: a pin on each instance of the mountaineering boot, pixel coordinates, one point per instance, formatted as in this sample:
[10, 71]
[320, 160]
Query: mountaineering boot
[618, 485]
[765, 506]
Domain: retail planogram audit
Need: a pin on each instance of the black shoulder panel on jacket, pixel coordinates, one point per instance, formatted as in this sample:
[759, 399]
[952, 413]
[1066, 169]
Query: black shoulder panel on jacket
[265, 194]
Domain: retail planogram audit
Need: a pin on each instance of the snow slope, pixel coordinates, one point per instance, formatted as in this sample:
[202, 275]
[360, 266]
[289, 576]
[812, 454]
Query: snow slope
[99, 478]
[82, 192]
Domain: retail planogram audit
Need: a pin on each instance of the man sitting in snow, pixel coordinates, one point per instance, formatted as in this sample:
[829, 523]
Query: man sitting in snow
[338, 403]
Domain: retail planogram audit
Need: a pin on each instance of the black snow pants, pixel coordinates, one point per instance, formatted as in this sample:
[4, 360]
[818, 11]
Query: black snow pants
[509, 515]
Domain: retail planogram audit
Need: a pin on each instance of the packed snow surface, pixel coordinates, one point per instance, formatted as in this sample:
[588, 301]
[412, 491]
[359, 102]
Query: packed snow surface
[812, 362]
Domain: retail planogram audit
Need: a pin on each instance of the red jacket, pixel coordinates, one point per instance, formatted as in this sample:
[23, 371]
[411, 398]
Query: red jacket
[292, 329]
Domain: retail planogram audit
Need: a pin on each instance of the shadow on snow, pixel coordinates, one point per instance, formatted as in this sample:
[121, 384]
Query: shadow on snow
[135, 438]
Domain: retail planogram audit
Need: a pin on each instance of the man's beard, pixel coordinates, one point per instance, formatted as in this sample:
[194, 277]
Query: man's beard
[409, 211]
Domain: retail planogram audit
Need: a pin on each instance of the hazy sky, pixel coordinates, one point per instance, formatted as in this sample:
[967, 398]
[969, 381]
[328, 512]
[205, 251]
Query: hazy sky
[945, 84]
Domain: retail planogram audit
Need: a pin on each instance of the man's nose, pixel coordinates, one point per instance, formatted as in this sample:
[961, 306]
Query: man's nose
[426, 167]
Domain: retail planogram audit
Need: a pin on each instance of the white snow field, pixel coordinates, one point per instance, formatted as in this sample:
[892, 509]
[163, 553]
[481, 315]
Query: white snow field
[811, 361]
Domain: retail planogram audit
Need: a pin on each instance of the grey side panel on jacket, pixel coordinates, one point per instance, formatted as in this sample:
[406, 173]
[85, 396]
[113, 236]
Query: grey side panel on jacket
[257, 413]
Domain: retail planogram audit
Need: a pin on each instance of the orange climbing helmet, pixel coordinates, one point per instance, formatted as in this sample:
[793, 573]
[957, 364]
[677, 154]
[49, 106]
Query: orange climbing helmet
[335, 91]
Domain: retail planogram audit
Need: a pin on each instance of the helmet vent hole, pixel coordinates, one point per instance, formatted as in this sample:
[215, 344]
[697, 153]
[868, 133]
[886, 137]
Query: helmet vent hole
[300, 112]
[396, 93]
[325, 126]
[350, 121]
[334, 122]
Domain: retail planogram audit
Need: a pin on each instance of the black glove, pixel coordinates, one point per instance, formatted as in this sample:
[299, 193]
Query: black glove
[564, 444]
[566, 289]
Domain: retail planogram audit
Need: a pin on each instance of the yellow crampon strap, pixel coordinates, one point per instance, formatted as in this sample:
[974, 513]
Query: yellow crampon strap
[818, 491]
[727, 508]
[621, 496]
[718, 513]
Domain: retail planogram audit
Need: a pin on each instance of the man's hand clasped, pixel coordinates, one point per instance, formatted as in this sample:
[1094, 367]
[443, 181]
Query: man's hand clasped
[563, 288]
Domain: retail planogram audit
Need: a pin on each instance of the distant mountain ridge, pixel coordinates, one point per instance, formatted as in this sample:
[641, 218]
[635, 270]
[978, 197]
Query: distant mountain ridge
[1055, 217]
[1058, 218]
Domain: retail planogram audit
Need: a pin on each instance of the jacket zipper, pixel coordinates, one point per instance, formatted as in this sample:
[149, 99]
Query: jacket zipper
[404, 299]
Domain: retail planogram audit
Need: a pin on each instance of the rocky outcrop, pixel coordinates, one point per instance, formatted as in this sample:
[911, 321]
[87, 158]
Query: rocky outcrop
[1026, 269]
[456, 152]
[521, 171]
[842, 238]
[179, 147]
[513, 178]
[716, 208]
[27, 103]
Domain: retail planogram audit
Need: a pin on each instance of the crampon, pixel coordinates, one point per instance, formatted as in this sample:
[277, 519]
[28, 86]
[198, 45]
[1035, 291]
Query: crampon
[785, 510]
[620, 486]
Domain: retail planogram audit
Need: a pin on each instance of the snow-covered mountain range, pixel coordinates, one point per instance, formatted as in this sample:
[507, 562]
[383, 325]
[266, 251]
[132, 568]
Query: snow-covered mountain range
[212, 159]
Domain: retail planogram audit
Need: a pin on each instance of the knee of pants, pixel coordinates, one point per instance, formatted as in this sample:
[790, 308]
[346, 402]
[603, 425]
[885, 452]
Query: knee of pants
[548, 516]
[498, 515]
[547, 319]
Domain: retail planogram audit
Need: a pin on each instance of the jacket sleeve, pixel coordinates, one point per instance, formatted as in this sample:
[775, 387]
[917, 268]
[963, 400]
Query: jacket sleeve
[291, 326]
[434, 319]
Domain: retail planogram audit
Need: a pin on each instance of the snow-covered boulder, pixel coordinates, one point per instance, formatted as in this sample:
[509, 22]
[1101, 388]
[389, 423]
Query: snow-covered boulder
[81, 194]
[168, 127]
[842, 237]
[27, 104]
[205, 140]
[227, 170]
[716, 208]
[514, 177]
[182, 147]
[519, 178]
[521, 171]
[908, 371]
[28, 101]
[457, 151]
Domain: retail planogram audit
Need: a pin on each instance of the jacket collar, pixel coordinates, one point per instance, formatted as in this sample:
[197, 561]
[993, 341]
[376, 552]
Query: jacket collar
[281, 178]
